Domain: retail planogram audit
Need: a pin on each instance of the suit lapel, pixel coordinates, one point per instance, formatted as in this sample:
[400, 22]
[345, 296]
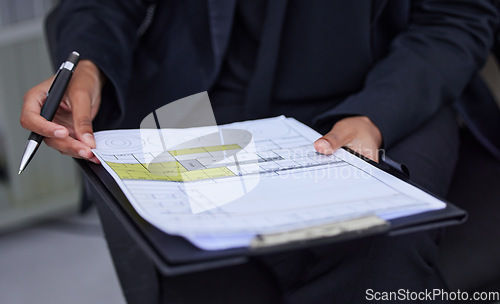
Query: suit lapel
[221, 14]
[377, 8]
[258, 98]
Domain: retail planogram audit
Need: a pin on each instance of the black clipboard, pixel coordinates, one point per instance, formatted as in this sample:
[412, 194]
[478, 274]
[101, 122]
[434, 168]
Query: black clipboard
[174, 255]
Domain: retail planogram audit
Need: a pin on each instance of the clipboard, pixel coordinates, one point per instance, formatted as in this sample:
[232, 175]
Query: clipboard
[173, 255]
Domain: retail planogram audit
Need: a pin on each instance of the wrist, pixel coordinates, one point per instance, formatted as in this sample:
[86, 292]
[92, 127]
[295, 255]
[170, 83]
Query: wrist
[90, 68]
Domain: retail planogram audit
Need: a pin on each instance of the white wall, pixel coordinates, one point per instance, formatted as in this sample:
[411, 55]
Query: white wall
[50, 186]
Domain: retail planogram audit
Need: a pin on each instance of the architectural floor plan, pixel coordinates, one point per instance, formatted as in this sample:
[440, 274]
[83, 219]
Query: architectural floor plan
[220, 186]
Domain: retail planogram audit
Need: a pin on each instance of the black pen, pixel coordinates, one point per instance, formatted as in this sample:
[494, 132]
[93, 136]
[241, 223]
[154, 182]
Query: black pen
[54, 97]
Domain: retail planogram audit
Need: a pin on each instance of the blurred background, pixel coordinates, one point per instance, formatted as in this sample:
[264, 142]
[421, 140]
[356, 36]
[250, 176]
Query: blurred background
[48, 252]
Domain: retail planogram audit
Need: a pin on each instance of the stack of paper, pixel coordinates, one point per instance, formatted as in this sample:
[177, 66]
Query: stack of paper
[221, 186]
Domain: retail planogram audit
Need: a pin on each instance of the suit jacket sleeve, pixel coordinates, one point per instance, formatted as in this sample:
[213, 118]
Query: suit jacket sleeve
[428, 65]
[104, 31]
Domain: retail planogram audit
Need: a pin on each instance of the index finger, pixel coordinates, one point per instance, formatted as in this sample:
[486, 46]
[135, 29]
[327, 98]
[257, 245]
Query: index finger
[33, 121]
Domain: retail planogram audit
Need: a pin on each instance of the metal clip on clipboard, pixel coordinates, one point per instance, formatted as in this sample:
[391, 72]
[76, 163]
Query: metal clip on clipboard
[347, 229]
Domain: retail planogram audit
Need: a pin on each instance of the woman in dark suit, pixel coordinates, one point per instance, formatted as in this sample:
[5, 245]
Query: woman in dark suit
[367, 74]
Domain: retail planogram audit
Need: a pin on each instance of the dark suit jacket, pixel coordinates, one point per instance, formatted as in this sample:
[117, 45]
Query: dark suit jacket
[396, 61]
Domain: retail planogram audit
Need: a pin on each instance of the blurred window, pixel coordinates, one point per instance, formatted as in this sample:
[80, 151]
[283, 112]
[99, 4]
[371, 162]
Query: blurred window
[16, 11]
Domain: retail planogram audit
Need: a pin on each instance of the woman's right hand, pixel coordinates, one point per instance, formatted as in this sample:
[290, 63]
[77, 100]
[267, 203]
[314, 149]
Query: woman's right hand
[70, 132]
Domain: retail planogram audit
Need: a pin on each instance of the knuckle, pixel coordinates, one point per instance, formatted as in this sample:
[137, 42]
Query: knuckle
[45, 131]
[66, 153]
[26, 122]
[84, 123]
[29, 95]
[79, 95]
[51, 144]
[23, 121]
[72, 151]
[332, 138]
[58, 145]
[78, 90]
[26, 96]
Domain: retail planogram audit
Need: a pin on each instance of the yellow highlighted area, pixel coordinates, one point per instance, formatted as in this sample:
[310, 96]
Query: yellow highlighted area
[166, 171]
[187, 151]
[204, 149]
[173, 170]
[223, 148]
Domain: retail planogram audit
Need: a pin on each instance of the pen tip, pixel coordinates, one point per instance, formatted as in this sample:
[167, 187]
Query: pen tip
[19, 173]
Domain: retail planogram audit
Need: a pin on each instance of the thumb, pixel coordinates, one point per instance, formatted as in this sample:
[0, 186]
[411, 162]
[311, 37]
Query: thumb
[82, 121]
[332, 141]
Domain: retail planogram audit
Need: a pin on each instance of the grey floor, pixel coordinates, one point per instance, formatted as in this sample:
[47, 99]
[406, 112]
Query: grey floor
[64, 261]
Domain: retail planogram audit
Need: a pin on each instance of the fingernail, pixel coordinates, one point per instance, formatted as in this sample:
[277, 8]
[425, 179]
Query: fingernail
[89, 139]
[82, 153]
[322, 146]
[61, 133]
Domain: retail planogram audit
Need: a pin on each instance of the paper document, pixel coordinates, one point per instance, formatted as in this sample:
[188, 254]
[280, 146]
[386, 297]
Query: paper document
[220, 186]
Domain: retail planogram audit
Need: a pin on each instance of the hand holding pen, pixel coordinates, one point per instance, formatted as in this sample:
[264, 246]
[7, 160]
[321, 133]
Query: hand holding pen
[70, 131]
